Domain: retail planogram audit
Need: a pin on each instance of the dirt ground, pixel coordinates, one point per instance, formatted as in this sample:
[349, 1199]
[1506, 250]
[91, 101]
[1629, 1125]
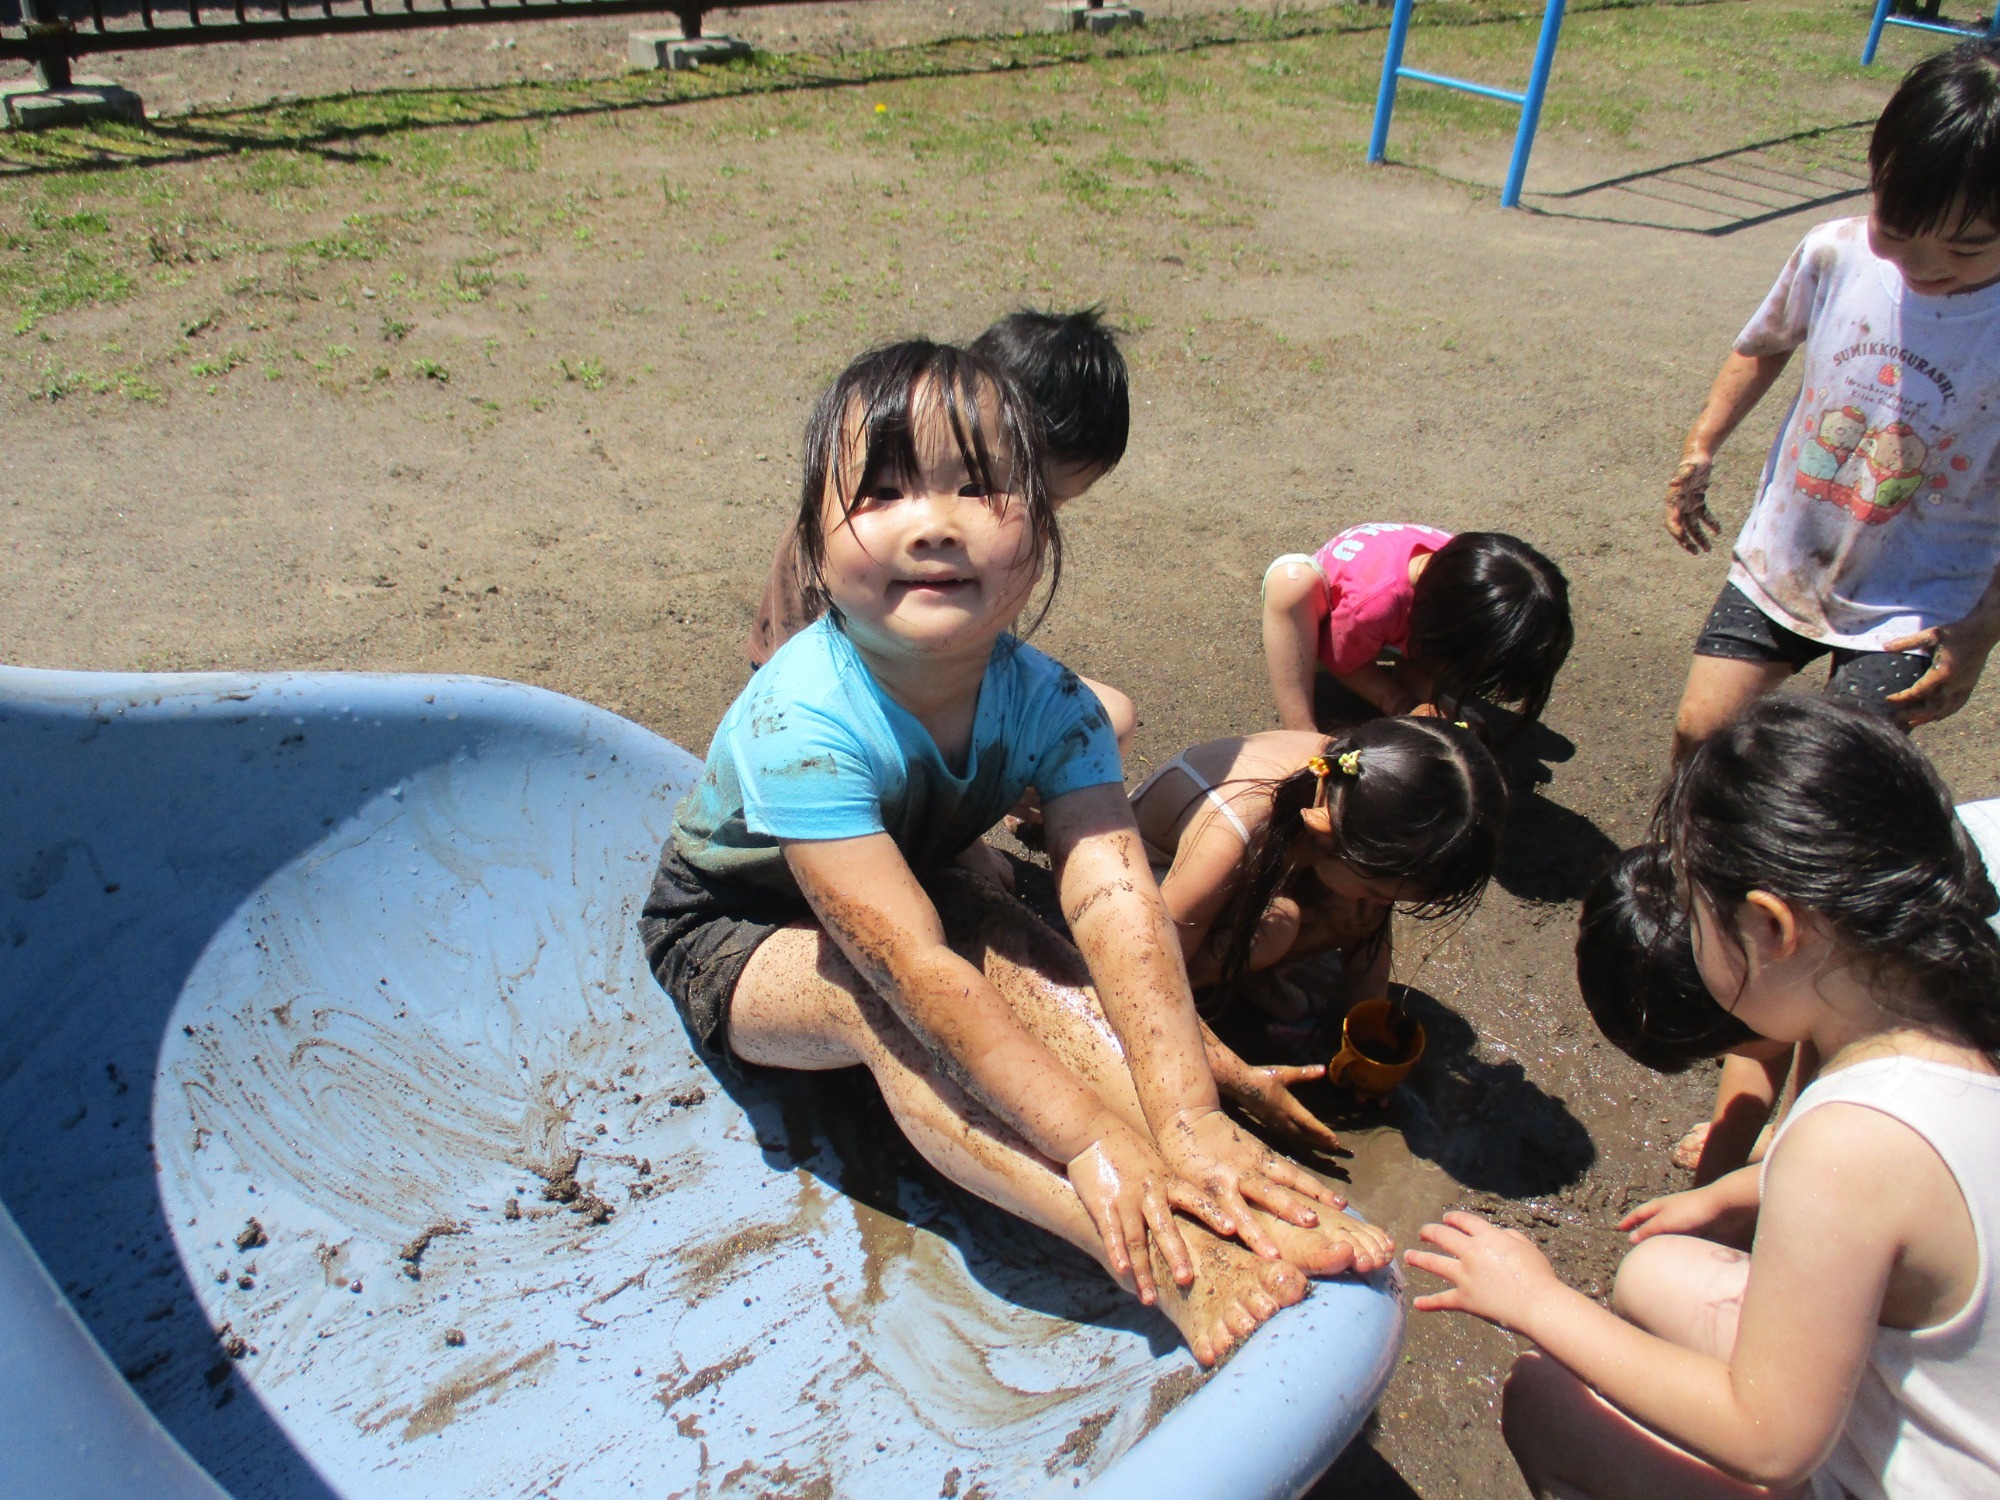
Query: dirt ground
[333, 385]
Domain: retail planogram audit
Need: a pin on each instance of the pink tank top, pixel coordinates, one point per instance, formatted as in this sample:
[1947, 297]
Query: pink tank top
[1367, 573]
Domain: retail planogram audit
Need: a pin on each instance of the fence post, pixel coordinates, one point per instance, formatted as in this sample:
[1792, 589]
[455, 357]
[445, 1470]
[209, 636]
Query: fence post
[690, 19]
[1392, 64]
[51, 36]
[1531, 106]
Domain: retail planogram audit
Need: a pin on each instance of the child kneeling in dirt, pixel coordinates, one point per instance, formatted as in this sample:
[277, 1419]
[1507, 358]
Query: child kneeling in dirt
[1277, 846]
[1636, 970]
[1835, 901]
[1472, 616]
[1876, 531]
[804, 915]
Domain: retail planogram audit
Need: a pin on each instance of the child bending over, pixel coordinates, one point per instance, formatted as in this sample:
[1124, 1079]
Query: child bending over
[1635, 968]
[1875, 536]
[1855, 1350]
[790, 919]
[1075, 377]
[1477, 615]
[1280, 845]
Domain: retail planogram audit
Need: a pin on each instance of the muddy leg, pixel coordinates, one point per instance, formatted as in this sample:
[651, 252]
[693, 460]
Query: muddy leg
[1718, 691]
[800, 1005]
[1044, 980]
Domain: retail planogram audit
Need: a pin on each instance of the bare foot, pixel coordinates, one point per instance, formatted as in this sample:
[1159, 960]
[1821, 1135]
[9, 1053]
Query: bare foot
[1340, 1244]
[1234, 1292]
[1687, 1151]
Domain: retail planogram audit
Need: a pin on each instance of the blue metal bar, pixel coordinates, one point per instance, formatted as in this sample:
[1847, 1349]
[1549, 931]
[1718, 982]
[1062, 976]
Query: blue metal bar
[1392, 70]
[1505, 96]
[1531, 107]
[1882, 18]
[1529, 103]
[1875, 31]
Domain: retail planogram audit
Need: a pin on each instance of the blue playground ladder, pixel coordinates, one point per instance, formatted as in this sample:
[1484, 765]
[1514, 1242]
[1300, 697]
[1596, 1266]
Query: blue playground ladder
[1529, 103]
[1883, 18]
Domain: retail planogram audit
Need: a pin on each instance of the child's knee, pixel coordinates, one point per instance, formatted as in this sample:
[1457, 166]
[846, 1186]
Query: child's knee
[1536, 1388]
[1119, 710]
[1644, 1276]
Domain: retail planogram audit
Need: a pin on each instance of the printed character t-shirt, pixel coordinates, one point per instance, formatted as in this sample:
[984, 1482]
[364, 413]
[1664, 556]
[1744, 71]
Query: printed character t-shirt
[1879, 511]
[814, 749]
[1367, 573]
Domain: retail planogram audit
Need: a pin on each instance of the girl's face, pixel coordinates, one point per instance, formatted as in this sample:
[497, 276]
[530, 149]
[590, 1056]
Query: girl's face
[1753, 972]
[1944, 262]
[931, 562]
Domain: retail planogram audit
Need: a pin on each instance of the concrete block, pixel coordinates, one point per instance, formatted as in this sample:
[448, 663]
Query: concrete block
[651, 50]
[1077, 15]
[25, 106]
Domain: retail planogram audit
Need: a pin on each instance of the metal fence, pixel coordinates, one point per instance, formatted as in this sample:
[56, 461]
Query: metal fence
[49, 33]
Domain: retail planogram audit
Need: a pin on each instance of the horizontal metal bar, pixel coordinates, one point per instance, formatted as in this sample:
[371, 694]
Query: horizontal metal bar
[1505, 96]
[146, 38]
[1943, 27]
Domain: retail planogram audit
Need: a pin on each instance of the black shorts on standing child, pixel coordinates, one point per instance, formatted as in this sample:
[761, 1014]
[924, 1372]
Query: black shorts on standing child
[1737, 630]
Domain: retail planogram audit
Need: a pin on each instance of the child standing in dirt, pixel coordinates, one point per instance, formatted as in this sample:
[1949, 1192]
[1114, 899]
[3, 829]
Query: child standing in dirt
[1478, 615]
[1876, 531]
[1855, 1350]
[1277, 846]
[804, 915]
[1073, 372]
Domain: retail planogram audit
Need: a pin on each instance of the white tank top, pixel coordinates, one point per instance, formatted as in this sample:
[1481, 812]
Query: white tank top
[1925, 1423]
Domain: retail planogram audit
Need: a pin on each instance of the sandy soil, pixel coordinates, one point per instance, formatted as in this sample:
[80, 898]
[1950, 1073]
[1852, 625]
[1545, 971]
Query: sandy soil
[524, 400]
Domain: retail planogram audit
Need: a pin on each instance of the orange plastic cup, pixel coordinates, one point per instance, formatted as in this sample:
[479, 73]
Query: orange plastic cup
[1369, 1025]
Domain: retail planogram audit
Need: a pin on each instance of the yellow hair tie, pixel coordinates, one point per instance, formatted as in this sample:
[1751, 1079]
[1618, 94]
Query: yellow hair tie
[1320, 766]
[1350, 763]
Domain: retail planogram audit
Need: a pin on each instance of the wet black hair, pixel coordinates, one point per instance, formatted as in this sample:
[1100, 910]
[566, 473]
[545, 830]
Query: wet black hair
[1489, 618]
[1635, 966]
[887, 392]
[1424, 804]
[1070, 366]
[1934, 159]
[1833, 809]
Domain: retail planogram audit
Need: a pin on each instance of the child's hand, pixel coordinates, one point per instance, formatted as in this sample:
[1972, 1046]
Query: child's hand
[1958, 656]
[1129, 1193]
[1236, 1169]
[1265, 1095]
[1700, 1211]
[1687, 503]
[1496, 1274]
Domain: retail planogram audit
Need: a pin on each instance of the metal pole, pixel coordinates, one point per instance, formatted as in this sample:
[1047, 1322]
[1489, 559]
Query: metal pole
[1875, 30]
[51, 32]
[1392, 64]
[1531, 106]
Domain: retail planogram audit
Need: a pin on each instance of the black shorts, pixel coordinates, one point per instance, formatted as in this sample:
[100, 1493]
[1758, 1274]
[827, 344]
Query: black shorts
[1737, 630]
[699, 937]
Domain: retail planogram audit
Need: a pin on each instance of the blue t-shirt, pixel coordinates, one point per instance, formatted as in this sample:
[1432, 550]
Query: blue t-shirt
[814, 749]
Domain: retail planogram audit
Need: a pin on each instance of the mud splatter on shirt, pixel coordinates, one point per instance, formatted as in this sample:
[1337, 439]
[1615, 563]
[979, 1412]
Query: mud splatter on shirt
[813, 749]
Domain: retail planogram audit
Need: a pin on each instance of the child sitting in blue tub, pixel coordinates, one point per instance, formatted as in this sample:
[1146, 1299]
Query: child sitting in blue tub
[806, 914]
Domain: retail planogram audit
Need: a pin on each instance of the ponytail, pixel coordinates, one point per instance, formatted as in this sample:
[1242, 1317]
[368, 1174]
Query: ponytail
[1415, 801]
[1834, 810]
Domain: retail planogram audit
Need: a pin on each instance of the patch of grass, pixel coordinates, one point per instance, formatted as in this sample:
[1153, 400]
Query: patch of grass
[590, 373]
[222, 363]
[51, 384]
[430, 369]
[57, 262]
